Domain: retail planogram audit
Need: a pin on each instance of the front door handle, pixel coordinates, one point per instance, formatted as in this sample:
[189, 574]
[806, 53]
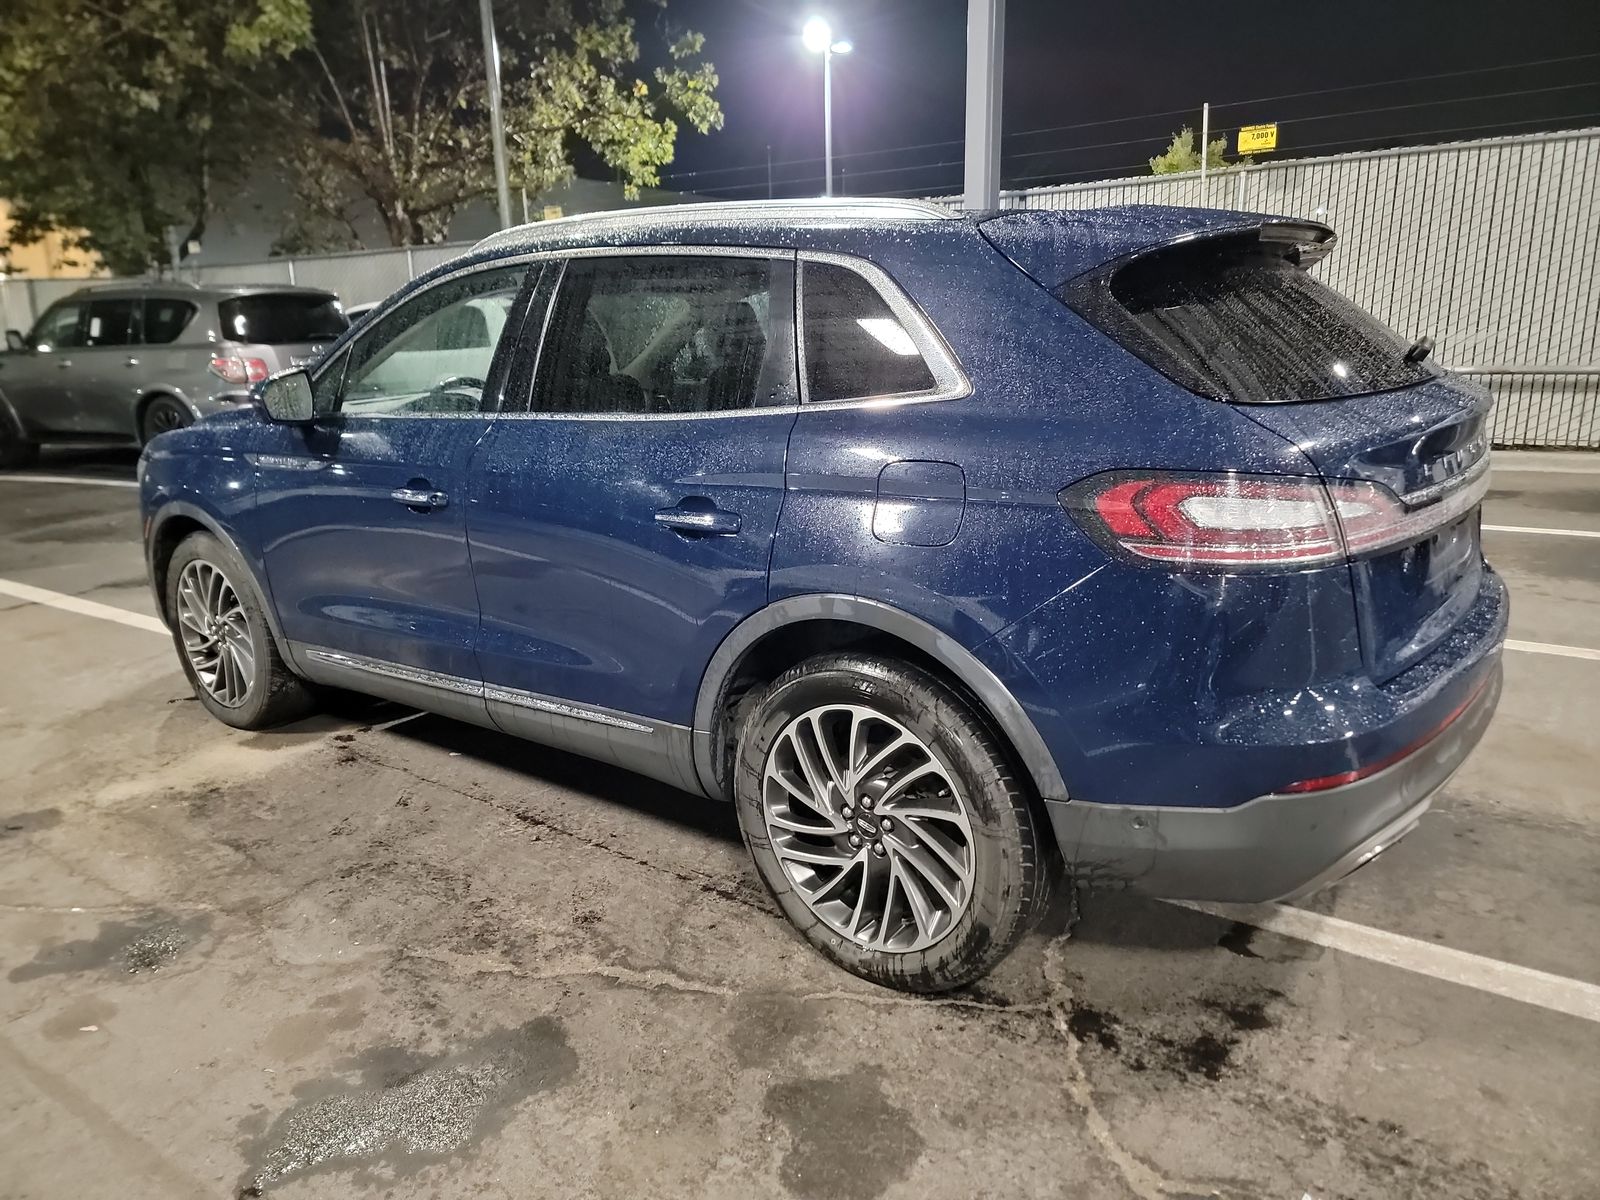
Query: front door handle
[63, 364]
[698, 521]
[132, 362]
[421, 499]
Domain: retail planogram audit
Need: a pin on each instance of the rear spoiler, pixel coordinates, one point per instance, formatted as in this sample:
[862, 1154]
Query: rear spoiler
[1055, 247]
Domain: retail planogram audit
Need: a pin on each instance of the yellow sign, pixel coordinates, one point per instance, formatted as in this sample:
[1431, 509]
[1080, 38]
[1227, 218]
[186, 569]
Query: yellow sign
[552, 211]
[1253, 139]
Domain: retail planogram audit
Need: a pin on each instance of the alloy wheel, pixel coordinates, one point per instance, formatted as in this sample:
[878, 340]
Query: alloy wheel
[216, 633]
[869, 827]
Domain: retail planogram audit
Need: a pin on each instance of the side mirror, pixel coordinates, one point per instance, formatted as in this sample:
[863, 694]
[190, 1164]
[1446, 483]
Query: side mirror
[286, 397]
[15, 340]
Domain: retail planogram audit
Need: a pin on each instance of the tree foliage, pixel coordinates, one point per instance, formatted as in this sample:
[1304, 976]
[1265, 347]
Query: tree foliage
[125, 117]
[1183, 154]
[119, 118]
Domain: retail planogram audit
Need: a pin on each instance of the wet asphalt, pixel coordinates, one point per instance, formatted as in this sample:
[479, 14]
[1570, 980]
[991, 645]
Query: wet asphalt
[374, 954]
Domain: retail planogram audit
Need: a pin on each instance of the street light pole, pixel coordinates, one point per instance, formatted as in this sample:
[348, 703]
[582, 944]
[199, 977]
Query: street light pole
[497, 127]
[818, 38]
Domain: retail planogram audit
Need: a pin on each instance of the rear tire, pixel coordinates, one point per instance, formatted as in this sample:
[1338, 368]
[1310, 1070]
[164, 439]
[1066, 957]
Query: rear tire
[16, 449]
[161, 414]
[916, 862]
[219, 626]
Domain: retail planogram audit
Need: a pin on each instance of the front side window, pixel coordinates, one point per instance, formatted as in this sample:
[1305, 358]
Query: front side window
[856, 348]
[432, 354]
[165, 319]
[282, 318]
[668, 334]
[58, 329]
[110, 322]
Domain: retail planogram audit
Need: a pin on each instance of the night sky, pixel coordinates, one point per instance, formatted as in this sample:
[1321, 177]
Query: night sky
[1123, 77]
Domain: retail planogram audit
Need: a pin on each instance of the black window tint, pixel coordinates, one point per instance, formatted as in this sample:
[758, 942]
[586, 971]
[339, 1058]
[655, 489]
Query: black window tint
[432, 354]
[165, 319]
[667, 334]
[1237, 319]
[110, 322]
[58, 329]
[855, 346]
[281, 319]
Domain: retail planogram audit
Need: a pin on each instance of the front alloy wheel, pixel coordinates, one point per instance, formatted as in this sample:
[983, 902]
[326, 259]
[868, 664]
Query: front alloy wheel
[869, 827]
[215, 633]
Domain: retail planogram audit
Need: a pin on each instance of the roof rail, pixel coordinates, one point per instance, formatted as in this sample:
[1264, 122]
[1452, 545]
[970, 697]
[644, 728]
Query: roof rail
[864, 208]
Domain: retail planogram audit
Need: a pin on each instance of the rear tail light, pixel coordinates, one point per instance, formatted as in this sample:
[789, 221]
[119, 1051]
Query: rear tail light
[1233, 522]
[234, 369]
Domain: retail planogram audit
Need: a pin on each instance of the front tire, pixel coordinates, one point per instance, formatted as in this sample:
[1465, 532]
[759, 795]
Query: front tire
[17, 451]
[885, 820]
[224, 642]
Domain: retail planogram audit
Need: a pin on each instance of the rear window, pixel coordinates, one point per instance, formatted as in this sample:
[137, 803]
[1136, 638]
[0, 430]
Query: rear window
[1236, 318]
[281, 319]
[165, 319]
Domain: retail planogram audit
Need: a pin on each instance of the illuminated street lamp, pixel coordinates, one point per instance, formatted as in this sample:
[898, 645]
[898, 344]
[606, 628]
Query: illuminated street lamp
[818, 38]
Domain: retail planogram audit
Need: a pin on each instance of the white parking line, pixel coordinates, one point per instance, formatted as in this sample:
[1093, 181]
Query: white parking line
[77, 604]
[1556, 992]
[9, 478]
[1594, 533]
[1553, 648]
[1571, 996]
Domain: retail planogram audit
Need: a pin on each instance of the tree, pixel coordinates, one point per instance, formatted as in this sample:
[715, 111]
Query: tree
[1183, 155]
[386, 107]
[120, 118]
[123, 118]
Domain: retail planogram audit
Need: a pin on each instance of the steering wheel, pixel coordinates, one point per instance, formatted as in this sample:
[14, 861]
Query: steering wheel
[457, 383]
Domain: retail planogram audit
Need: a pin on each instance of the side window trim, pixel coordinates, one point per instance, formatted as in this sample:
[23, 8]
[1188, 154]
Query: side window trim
[494, 385]
[950, 380]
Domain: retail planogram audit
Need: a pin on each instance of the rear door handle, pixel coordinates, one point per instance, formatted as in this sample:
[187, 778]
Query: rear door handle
[63, 364]
[698, 521]
[423, 499]
[133, 362]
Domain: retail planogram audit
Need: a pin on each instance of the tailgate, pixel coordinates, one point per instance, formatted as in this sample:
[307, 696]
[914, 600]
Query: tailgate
[1425, 444]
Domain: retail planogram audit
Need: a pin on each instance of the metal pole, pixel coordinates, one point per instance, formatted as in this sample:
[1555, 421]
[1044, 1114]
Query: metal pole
[827, 120]
[986, 35]
[1205, 143]
[497, 128]
[769, 172]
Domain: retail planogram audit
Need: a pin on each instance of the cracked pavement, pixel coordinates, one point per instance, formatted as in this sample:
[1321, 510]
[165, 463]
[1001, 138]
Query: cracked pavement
[390, 955]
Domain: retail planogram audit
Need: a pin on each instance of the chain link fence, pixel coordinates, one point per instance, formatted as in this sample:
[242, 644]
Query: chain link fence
[1489, 247]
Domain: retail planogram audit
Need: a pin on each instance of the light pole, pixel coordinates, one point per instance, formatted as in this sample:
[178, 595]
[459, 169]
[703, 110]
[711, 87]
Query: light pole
[818, 38]
[497, 128]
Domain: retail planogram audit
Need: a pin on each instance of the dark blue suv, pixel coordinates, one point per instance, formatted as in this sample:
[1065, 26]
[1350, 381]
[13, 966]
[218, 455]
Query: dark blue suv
[950, 549]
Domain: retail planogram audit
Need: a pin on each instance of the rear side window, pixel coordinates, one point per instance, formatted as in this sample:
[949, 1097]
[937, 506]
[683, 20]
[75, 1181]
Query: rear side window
[165, 319]
[281, 319]
[855, 346]
[668, 334]
[1236, 319]
[110, 322]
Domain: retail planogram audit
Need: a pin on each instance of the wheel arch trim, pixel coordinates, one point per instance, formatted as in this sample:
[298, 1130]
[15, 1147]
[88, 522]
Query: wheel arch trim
[996, 698]
[175, 509]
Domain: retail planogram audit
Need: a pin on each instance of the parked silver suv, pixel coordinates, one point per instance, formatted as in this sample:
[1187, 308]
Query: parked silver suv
[131, 360]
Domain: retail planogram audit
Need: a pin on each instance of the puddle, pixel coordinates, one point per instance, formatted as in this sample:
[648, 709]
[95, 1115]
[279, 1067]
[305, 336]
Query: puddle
[144, 944]
[29, 822]
[847, 1141]
[407, 1113]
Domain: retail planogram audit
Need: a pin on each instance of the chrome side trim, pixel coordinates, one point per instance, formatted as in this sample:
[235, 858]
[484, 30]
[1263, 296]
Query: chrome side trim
[471, 687]
[950, 381]
[542, 704]
[390, 670]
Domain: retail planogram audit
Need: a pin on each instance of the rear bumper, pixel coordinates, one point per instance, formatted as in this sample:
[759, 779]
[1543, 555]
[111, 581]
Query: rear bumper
[1271, 848]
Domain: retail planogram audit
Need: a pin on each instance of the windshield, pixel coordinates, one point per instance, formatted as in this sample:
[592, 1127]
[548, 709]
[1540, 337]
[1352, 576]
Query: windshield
[1236, 318]
[282, 319]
